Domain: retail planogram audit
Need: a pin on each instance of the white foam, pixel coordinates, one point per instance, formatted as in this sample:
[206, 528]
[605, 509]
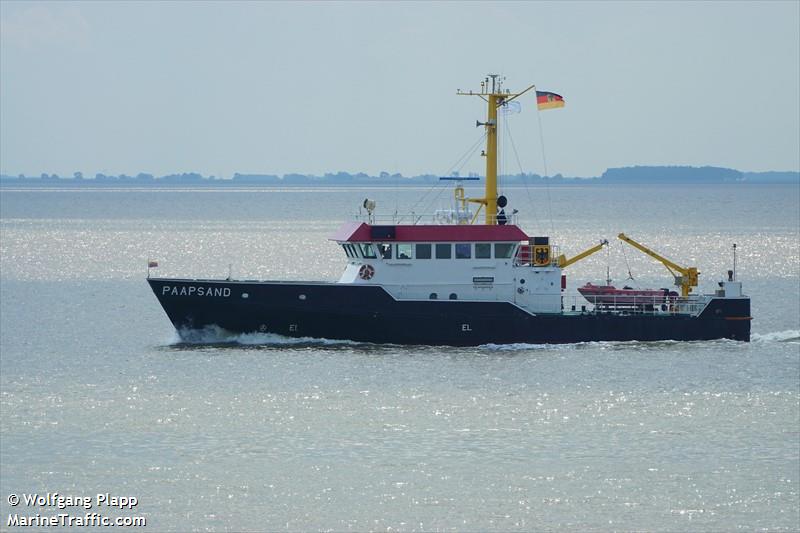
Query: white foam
[601, 345]
[175, 338]
[274, 338]
[789, 335]
[218, 335]
[517, 346]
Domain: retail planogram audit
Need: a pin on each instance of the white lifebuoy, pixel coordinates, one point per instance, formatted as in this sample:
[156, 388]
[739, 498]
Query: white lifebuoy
[366, 272]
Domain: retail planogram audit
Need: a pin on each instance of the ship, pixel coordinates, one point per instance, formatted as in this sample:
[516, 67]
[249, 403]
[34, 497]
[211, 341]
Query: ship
[454, 279]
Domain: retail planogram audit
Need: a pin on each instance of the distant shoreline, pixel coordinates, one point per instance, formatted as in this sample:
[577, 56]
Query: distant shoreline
[216, 185]
[639, 175]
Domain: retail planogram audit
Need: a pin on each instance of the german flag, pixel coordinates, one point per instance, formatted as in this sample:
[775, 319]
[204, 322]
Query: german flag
[546, 100]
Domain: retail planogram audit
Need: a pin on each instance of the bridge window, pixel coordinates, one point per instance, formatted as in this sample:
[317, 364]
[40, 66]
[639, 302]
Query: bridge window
[350, 250]
[424, 251]
[368, 251]
[503, 250]
[404, 251]
[386, 250]
[444, 251]
[483, 250]
[463, 250]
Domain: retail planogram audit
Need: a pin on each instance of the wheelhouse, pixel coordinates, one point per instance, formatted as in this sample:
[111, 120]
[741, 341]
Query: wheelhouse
[363, 242]
[432, 250]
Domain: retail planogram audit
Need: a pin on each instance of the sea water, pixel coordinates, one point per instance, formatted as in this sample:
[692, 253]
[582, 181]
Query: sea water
[261, 433]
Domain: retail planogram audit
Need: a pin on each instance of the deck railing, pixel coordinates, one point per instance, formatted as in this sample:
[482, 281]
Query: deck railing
[630, 304]
[441, 217]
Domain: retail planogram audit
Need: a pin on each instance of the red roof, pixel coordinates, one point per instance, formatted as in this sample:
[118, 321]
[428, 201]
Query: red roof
[362, 232]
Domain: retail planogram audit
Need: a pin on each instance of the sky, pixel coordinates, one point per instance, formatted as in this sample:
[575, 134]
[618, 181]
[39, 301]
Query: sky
[311, 88]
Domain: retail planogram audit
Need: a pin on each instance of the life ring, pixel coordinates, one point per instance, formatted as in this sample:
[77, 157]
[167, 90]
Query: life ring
[366, 272]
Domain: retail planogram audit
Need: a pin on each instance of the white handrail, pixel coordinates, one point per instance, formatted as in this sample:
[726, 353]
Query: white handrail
[438, 218]
[633, 304]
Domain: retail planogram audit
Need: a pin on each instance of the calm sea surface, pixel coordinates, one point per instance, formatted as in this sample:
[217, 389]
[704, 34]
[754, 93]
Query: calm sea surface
[260, 433]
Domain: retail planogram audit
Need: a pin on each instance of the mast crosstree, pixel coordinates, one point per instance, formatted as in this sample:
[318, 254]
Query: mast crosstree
[493, 94]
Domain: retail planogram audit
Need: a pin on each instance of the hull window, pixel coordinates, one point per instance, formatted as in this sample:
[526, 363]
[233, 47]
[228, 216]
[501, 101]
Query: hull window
[503, 250]
[483, 250]
[404, 251]
[350, 250]
[368, 251]
[444, 251]
[463, 250]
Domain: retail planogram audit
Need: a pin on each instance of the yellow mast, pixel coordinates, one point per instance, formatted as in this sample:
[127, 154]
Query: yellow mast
[494, 96]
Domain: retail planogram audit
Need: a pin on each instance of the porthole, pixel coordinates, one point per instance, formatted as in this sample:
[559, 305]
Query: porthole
[433, 296]
[453, 296]
[302, 297]
[522, 281]
[245, 295]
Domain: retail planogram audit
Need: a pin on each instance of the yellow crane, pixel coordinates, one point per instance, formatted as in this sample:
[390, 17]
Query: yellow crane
[686, 277]
[563, 262]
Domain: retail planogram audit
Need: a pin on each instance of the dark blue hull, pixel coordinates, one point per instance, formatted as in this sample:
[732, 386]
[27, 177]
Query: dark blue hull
[367, 313]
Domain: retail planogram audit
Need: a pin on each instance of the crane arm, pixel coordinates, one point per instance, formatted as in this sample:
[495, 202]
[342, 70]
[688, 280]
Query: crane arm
[688, 275]
[663, 260]
[563, 262]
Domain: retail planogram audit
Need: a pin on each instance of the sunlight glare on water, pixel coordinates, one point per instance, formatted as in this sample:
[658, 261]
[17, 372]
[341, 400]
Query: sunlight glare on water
[259, 432]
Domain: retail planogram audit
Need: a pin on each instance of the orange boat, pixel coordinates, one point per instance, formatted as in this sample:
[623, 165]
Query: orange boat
[608, 295]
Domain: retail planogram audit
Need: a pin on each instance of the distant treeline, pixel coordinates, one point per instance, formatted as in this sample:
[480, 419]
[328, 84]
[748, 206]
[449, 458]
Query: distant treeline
[637, 174]
[693, 175]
